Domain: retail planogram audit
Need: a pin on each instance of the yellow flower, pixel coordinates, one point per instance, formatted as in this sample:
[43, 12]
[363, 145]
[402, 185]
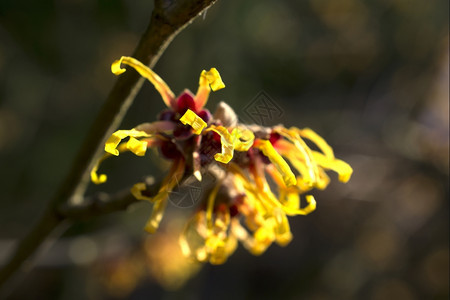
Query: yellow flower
[241, 206]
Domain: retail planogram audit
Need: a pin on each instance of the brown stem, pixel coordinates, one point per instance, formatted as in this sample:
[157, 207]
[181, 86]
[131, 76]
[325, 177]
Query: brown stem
[168, 18]
[103, 203]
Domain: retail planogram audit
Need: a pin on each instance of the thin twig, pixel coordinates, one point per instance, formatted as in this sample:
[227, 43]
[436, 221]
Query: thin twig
[168, 18]
[102, 203]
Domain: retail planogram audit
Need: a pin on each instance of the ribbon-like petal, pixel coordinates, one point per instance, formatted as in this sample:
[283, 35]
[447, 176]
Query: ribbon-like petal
[209, 80]
[163, 89]
[239, 139]
[341, 167]
[277, 160]
[135, 146]
[192, 119]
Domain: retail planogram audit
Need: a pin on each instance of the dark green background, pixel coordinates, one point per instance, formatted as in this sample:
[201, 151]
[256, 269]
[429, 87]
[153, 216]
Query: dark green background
[370, 76]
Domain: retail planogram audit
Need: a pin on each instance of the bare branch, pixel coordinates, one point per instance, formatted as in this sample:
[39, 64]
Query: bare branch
[103, 203]
[168, 18]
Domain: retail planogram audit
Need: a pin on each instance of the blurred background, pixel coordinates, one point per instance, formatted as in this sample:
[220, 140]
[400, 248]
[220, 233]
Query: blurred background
[370, 76]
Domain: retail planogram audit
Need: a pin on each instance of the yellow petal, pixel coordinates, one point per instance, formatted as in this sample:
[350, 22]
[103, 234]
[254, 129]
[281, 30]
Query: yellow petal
[230, 245]
[238, 139]
[303, 150]
[278, 161]
[210, 205]
[98, 179]
[184, 244]
[214, 79]
[160, 200]
[304, 185]
[189, 239]
[242, 139]
[156, 216]
[304, 182]
[137, 190]
[318, 140]
[223, 250]
[311, 205]
[227, 144]
[301, 211]
[289, 200]
[208, 80]
[276, 176]
[95, 178]
[114, 140]
[256, 243]
[299, 164]
[342, 168]
[263, 237]
[191, 118]
[323, 180]
[163, 89]
[137, 147]
[201, 254]
[282, 230]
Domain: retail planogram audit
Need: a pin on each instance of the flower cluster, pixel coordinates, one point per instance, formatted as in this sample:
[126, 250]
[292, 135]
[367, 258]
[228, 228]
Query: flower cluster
[246, 160]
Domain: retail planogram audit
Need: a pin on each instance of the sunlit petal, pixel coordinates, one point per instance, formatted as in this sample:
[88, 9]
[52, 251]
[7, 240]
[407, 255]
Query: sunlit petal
[209, 80]
[114, 140]
[192, 119]
[166, 94]
[278, 161]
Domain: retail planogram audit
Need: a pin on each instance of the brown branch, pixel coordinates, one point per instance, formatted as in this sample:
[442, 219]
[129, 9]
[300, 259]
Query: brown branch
[168, 18]
[103, 203]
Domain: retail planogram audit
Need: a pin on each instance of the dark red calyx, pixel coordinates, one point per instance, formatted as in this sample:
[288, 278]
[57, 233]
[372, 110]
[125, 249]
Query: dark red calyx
[182, 132]
[205, 115]
[186, 101]
[167, 115]
[234, 211]
[209, 147]
[169, 150]
[274, 137]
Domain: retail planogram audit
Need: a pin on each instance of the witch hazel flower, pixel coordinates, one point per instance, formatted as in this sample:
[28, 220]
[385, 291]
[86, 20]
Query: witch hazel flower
[246, 160]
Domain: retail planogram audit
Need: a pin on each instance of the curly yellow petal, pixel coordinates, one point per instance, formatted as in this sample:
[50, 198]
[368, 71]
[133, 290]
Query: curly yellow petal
[290, 211]
[282, 230]
[341, 167]
[263, 237]
[137, 190]
[311, 205]
[116, 67]
[222, 249]
[214, 79]
[226, 140]
[210, 206]
[191, 118]
[95, 178]
[278, 161]
[323, 180]
[242, 139]
[318, 140]
[163, 89]
[208, 80]
[161, 198]
[135, 146]
[290, 200]
[303, 156]
[102, 178]
[239, 139]
[156, 216]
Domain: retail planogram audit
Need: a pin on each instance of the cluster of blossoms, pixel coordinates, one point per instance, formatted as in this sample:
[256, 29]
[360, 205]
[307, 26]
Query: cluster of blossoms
[246, 160]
